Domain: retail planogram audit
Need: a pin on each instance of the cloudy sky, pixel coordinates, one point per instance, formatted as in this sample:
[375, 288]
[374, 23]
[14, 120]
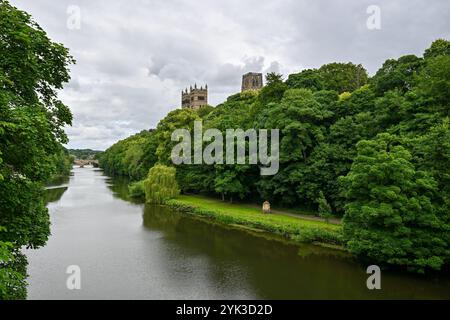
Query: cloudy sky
[134, 57]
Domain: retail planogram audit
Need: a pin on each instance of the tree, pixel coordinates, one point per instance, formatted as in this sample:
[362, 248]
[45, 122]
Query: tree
[160, 184]
[339, 77]
[390, 217]
[432, 154]
[299, 117]
[177, 119]
[12, 280]
[302, 121]
[324, 208]
[227, 182]
[433, 82]
[360, 100]
[307, 79]
[333, 157]
[342, 77]
[426, 102]
[32, 120]
[439, 47]
[273, 91]
[396, 74]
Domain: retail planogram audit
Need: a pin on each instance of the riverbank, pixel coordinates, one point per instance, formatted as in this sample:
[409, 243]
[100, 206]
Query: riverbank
[293, 228]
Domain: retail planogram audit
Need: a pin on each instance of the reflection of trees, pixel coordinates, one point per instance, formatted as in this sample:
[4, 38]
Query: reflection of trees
[54, 194]
[272, 269]
[58, 181]
[161, 218]
[119, 187]
[203, 233]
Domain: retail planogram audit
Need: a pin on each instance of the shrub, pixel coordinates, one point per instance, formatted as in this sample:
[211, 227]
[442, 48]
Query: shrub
[161, 184]
[136, 189]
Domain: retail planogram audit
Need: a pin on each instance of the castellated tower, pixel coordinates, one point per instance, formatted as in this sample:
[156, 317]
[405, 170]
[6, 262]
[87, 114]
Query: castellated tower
[252, 81]
[195, 98]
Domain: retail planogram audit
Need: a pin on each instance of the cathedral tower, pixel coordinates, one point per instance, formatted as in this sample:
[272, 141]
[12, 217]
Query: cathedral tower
[195, 98]
[252, 81]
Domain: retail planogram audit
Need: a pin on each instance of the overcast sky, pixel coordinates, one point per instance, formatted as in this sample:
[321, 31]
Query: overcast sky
[134, 57]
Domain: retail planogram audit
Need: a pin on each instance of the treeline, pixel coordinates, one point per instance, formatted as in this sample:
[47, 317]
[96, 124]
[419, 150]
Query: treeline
[32, 69]
[84, 154]
[131, 157]
[376, 151]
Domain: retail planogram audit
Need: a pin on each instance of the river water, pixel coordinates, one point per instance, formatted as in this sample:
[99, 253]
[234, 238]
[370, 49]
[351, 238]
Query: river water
[129, 250]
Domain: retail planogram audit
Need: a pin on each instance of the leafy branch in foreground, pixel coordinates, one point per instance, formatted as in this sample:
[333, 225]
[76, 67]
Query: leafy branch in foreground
[32, 70]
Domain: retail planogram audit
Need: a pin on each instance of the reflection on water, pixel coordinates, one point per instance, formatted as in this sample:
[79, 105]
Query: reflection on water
[130, 250]
[55, 188]
[54, 194]
[58, 181]
[119, 187]
[274, 270]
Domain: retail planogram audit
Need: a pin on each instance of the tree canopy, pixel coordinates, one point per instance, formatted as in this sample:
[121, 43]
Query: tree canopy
[32, 120]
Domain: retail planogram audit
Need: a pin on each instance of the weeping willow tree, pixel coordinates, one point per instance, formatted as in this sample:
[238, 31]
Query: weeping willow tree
[161, 184]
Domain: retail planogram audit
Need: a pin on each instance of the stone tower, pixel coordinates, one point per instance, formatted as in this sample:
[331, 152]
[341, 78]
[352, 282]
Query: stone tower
[252, 81]
[195, 98]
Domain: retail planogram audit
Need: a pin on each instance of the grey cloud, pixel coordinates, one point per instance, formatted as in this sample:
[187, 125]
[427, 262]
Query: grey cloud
[134, 57]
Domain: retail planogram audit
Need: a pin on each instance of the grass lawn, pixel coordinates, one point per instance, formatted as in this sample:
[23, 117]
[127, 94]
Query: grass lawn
[295, 228]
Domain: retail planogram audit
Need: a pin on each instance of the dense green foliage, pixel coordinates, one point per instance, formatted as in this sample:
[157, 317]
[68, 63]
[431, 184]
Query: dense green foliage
[340, 77]
[12, 272]
[32, 69]
[161, 184]
[395, 212]
[136, 189]
[386, 137]
[132, 157]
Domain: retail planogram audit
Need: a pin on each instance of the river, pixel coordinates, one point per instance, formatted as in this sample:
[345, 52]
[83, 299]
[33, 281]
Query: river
[128, 250]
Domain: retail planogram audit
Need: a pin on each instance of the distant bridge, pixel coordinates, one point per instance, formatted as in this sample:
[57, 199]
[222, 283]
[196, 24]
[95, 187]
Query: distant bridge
[82, 163]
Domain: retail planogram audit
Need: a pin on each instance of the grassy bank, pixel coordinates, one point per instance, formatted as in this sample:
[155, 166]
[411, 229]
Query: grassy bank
[294, 228]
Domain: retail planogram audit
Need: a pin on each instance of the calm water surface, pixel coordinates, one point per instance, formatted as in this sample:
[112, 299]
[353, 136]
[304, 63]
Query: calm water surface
[129, 250]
